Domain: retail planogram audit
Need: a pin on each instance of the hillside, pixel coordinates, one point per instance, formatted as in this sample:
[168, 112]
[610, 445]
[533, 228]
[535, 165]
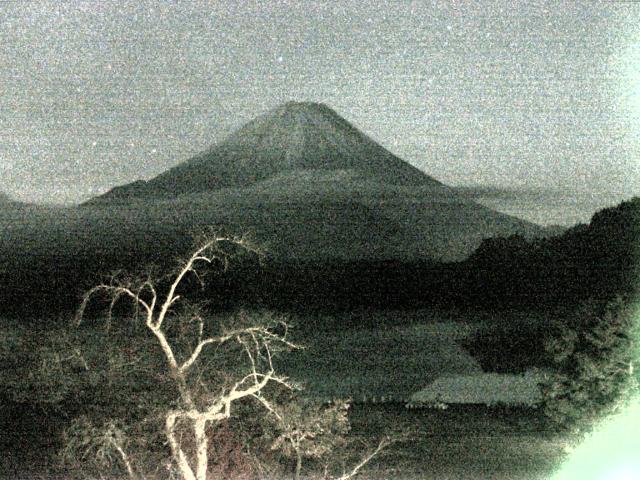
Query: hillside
[599, 259]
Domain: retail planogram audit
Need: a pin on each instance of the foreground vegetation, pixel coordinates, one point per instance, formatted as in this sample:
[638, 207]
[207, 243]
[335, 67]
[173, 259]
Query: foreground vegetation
[119, 374]
[183, 379]
[466, 442]
[166, 386]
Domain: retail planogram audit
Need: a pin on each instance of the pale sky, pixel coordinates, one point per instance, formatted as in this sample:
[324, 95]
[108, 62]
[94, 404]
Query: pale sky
[536, 94]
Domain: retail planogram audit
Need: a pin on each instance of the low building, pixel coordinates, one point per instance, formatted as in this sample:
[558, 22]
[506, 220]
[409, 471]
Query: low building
[480, 388]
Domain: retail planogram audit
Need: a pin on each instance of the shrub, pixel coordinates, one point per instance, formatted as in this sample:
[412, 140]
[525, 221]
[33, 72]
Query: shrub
[593, 353]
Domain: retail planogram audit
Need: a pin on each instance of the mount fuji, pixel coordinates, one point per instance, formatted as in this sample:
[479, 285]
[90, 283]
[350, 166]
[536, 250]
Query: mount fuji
[311, 186]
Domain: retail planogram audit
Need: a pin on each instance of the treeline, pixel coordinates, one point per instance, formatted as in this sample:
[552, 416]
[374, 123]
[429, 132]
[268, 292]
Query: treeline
[596, 260]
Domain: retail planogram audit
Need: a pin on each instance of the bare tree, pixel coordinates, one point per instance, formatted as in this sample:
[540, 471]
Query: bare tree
[198, 407]
[212, 366]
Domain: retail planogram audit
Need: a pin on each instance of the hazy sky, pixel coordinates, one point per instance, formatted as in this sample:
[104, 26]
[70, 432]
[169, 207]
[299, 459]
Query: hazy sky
[99, 93]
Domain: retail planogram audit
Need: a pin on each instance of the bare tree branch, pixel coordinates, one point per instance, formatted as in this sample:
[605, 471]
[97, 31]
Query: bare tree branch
[176, 450]
[196, 353]
[354, 471]
[115, 292]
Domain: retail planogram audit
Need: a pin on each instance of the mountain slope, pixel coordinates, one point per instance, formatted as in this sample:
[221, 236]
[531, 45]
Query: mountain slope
[292, 137]
[314, 216]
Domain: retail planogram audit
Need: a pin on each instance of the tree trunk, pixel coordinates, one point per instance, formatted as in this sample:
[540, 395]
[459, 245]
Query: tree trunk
[202, 444]
[298, 464]
[176, 451]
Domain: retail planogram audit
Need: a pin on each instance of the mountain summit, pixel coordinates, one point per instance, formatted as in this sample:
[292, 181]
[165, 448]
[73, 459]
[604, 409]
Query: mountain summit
[294, 137]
